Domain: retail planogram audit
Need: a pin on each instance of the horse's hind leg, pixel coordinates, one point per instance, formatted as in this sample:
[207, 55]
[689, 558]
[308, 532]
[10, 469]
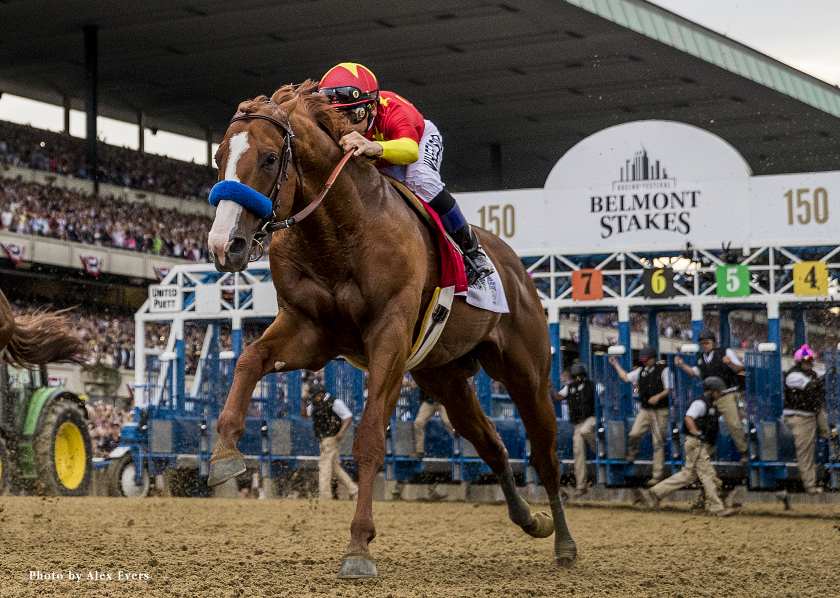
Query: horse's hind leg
[527, 382]
[451, 386]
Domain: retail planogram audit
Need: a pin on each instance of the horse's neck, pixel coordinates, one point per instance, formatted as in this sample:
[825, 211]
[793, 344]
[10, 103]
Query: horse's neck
[342, 220]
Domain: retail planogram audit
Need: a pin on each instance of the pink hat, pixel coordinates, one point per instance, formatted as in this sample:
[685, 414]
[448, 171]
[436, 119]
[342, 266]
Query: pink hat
[804, 352]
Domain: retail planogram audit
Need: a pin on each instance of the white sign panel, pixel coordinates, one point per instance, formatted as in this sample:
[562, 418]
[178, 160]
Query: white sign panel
[790, 207]
[164, 298]
[651, 184]
[514, 216]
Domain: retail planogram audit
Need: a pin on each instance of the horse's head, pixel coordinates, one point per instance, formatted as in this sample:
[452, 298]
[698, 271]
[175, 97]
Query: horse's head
[256, 161]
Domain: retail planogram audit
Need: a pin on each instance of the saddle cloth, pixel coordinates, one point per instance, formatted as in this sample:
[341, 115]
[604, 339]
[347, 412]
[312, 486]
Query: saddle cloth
[452, 271]
[487, 293]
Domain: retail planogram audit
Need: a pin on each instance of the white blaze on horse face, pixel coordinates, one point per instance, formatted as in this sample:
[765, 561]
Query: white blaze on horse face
[238, 146]
[221, 235]
[228, 212]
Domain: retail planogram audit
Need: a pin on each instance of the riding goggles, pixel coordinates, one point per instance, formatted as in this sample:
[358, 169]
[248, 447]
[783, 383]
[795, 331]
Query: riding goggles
[355, 114]
[347, 95]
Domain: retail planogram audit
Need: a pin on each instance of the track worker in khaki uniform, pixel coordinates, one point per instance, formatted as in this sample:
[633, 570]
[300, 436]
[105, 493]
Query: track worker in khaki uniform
[724, 364]
[700, 427]
[429, 405]
[654, 382]
[330, 419]
[579, 394]
[804, 412]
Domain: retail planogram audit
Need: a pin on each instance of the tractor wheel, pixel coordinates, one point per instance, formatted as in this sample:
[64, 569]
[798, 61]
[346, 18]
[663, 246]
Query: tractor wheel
[63, 455]
[186, 483]
[5, 466]
[121, 479]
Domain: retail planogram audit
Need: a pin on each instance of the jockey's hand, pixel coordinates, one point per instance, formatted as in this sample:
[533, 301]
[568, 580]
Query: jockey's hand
[678, 361]
[362, 146]
[726, 360]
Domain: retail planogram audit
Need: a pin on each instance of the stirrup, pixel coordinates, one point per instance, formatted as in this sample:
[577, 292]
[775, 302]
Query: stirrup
[477, 265]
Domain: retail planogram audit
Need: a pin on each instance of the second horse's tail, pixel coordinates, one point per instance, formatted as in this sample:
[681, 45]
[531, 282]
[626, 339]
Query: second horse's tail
[42, 338]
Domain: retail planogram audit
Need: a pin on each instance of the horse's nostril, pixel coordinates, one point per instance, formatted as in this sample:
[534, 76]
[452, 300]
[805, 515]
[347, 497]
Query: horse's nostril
[237, 247]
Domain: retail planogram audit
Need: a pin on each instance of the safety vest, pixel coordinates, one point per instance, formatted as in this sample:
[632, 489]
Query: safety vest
[811, 398]
[581, 401]
[716, 367]
[325, 420]
[708, 423]
[650, 383]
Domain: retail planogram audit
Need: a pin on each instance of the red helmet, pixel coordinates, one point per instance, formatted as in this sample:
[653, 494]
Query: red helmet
[349, 84]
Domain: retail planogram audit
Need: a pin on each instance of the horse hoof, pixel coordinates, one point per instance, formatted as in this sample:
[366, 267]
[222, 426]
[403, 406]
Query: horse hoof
[225, 469]
[565, 562]
[356, 567]
[566, 555]
[542, 526]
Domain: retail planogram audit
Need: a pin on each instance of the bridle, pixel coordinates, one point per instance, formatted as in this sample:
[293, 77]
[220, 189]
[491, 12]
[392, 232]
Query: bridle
[290, 154]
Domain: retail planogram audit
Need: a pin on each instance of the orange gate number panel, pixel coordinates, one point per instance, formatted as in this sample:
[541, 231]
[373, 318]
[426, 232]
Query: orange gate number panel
[587, 285]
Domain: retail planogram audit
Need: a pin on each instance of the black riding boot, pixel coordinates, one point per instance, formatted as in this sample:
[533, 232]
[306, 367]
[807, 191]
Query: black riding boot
[478, 266]
[454, 223]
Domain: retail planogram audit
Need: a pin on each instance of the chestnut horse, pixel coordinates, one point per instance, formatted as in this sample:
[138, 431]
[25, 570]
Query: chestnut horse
[38, 339]
[354, 278]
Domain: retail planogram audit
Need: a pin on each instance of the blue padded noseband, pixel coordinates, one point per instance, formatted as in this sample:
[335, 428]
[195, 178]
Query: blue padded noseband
[246, 197]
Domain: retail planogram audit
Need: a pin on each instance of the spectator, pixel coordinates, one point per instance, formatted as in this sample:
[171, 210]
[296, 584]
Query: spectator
[110, 440]
[40, 210]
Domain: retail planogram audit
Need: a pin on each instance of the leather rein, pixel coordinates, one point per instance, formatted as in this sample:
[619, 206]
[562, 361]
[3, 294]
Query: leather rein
[272, 224]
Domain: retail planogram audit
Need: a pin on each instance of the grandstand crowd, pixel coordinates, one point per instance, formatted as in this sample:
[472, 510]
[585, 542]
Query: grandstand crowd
[29, 208]
[23, 145]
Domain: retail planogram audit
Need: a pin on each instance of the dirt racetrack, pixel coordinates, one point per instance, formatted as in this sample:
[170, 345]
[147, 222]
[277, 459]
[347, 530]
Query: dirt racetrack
[216, 547]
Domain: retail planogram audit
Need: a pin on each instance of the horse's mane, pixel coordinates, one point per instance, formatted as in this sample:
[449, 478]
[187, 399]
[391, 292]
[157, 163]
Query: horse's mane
[306, 97]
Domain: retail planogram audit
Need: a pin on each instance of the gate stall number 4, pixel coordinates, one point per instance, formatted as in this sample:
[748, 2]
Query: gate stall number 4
[810, 278]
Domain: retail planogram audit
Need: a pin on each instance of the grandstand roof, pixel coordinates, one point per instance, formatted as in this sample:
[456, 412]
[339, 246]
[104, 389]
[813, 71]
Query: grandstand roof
[521, 80]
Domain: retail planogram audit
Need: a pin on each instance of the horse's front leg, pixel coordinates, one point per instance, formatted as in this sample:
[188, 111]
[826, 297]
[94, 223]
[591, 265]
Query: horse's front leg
[288, 344]
[388, 350]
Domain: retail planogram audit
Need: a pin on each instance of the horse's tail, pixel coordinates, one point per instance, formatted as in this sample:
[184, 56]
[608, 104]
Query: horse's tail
[42, 338]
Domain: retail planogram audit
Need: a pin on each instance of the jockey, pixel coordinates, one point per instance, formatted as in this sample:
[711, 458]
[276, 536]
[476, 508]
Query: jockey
[389, 129]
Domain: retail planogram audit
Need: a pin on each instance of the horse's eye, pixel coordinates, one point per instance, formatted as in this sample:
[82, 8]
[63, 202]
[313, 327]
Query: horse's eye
[271, 160]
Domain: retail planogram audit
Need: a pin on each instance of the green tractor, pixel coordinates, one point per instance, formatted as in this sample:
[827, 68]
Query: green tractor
[45, 445]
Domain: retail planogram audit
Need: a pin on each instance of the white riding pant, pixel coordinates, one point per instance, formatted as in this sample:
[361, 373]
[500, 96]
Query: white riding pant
[423, 177]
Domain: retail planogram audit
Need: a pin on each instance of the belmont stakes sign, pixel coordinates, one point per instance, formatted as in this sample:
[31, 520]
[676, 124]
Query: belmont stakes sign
[659, 184]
